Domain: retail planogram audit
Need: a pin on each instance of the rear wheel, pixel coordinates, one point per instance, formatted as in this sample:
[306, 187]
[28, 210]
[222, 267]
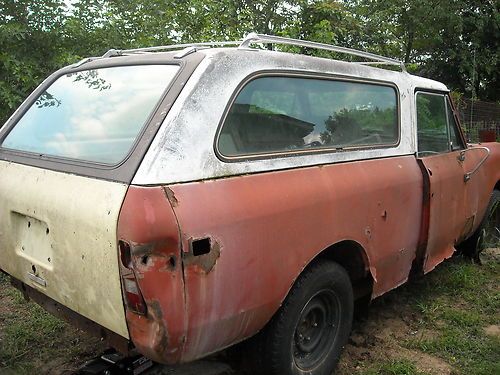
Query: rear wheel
[309, 331]
[488, 233]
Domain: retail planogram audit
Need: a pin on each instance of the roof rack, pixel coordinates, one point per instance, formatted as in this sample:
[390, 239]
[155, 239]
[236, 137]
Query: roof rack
[175, 46]
[188, 48]
[253, 38]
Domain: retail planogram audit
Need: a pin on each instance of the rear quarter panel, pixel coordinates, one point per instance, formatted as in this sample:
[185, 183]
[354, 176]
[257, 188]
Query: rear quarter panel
[267, 227]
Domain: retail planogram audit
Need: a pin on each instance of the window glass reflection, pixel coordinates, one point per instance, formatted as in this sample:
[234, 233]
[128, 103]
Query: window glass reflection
[277, 114]
[92, 115]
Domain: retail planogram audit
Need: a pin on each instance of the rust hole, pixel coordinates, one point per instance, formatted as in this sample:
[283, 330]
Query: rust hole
[29, 224]
[33, 268]
[145, 259]
[171, 262]
[204, 254]
[201, 246]
[47, 231]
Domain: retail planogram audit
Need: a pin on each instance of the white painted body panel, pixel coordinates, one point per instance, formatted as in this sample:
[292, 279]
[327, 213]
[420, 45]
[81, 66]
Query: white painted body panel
[64, 226]
[183, 149]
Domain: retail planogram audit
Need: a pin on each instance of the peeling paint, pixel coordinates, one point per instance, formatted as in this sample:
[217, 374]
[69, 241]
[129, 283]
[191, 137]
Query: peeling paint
[171, 197]
[159, 334]
[205, 262]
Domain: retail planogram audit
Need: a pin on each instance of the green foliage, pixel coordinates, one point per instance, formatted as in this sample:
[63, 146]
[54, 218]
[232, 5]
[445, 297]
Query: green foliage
[359, 124]
[455, 42]
[29, 45]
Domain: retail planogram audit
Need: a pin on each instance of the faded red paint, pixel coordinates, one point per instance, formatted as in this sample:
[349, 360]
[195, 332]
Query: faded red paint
[269, 227]
[446, 206]
[148, 224]
[482, 183]
[456, 207]
[265, 228]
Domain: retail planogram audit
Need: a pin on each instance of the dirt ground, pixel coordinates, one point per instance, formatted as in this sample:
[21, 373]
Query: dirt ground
[379, 336]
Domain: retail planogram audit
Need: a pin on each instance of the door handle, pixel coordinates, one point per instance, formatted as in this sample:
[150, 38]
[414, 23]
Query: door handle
[461, 158]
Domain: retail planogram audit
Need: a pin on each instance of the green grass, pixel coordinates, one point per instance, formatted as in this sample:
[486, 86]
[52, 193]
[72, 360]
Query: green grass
[395, 367]
[452, 305]
[457, 302]
[469, 351]
[27, 332]
[447, 311]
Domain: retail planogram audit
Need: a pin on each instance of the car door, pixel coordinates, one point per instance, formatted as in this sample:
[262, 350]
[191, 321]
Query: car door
[440, 147]
[476, 178]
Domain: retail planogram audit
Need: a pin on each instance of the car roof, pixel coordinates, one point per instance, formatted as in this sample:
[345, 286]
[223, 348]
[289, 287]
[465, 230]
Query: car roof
[243, 50]
[310, 63]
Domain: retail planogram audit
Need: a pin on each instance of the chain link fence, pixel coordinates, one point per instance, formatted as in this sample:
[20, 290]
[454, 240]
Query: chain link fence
[479, 119]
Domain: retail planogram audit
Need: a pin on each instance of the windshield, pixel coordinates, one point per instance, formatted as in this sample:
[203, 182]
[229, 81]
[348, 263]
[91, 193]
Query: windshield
[92, 115]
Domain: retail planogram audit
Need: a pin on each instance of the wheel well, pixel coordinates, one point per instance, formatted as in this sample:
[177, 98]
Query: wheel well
[352, 257]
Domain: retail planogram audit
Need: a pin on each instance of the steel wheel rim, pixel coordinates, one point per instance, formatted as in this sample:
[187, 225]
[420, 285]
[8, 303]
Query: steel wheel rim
[316, 329]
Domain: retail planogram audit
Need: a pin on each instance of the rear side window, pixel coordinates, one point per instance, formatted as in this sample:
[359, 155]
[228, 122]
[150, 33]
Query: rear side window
[287, 114]
[92, 115]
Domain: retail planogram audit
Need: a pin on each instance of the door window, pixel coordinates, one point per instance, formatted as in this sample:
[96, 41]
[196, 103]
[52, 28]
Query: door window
[455, 139]
[437, 130]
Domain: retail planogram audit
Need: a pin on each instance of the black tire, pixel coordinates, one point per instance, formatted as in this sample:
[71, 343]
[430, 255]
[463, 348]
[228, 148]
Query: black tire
[488, 232]
[309, 331]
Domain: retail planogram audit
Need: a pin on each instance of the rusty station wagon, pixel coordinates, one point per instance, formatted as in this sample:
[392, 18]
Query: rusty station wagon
[179, 202]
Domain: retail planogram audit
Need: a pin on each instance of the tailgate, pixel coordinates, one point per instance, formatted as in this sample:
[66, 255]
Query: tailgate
[58, 235]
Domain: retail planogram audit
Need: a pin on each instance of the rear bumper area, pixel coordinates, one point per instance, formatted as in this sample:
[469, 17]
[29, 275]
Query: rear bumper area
[116, 341]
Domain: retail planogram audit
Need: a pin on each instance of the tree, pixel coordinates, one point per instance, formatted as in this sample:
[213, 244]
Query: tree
[456, 42]
[467, 55]
[30, 45]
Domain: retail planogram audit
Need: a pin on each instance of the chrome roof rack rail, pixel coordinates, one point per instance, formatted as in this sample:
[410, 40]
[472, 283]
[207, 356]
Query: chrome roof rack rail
[187, 49]
[254, 38]
[84, 61]
[113, 52]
